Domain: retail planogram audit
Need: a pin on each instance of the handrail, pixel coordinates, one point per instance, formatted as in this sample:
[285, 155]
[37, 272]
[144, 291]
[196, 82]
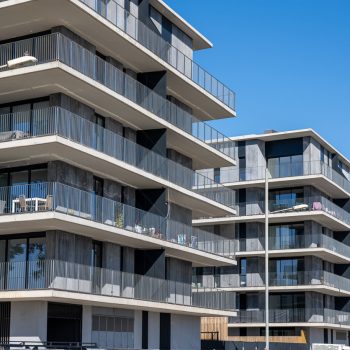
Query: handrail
[150, 39]
[57, 47]
[64, 199]
[61, 122]
[232, 175]
[74, 277]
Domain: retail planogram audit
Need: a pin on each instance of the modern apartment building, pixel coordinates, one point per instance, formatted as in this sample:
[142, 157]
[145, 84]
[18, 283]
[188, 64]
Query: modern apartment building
[308, 245]
[102, 128]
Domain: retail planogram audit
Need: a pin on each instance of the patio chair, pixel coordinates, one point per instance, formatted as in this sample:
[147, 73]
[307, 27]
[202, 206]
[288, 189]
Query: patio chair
[47, 205]
[23, 203]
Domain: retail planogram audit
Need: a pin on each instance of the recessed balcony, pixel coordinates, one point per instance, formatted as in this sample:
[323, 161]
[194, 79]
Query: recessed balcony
[126, 161]
[121, 288]
[53, 205]
[65, 66]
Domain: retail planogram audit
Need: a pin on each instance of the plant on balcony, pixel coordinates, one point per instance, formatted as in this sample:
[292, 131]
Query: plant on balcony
[119, 221]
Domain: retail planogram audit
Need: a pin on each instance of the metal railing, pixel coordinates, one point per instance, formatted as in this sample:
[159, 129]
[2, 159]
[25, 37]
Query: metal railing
[58, 121]
[290, 279]
[293, 315]
[57, 47]
[150, 39]
[73, 277]
[297, 205]
[57, 197]
[291, 169]
[306, 241]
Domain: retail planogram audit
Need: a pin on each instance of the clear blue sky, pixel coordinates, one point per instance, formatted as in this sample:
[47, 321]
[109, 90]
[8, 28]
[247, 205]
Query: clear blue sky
[287, 60]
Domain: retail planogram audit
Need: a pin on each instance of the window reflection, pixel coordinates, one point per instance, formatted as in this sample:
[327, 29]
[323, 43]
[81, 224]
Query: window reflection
[22, 262]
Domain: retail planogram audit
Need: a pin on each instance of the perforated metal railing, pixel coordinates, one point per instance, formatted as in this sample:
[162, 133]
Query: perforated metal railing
[61, 122]
[60, 198]
[57, 47]
[73, 277]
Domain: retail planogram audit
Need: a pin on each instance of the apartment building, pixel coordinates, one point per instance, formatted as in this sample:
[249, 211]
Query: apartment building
[308, 245]
[102, 128]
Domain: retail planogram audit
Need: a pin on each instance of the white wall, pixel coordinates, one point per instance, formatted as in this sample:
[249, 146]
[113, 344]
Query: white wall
[185, 332]
[28, 321]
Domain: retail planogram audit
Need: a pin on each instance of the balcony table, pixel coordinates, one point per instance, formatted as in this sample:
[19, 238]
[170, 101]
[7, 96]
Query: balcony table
[36, 200]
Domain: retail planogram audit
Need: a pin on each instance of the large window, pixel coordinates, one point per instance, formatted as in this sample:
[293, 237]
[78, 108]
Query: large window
[289, 236]
[286, 166]
[22, 261]
[14, 184]
[286, 272]
[285, 199]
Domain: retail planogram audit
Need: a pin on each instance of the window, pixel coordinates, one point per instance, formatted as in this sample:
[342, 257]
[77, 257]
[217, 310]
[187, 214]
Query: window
[286, 166]
[286, 272]
[243, 271]
[24, 256]
[217, 175]
[289, 236]
[284, 199]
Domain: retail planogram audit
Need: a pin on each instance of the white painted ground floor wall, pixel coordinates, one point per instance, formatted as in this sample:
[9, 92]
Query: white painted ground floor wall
[29, 323]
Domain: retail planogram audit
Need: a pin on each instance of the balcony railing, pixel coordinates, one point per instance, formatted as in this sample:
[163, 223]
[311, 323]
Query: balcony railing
[150, 39]
[57, 47]
[294, 315]
[72, 277]
[58, 121]
[290, 169]
[57, 197]
[298, 205]
[306, 241]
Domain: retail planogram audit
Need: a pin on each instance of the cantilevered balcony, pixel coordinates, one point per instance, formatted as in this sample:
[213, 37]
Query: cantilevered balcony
[317, 280]
[196, 192]
[316, 208]
[64, 65]
[315, 173]
[316, 244]
[47, 205]
[117, 32]
[297, 315]
[61, 276]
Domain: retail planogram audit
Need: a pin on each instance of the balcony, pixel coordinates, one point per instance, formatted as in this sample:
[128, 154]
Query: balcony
[330, 283]
[71, 277]
[148, 230]
[314, 243]
[109, 27]
[56, 121]
[335, 183]
[316, 208]
[137, 105]
[281, 316]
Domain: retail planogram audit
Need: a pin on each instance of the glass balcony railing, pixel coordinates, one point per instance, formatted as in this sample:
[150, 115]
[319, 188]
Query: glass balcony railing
[290, 169]
[150, 39]
[57, 47]
[72, 277]
[60, 198]
[60, 122]
[310, 315]
[299, 205]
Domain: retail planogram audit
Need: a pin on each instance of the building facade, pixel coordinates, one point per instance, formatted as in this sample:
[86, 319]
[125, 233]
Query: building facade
[102, 129]
[308, 246]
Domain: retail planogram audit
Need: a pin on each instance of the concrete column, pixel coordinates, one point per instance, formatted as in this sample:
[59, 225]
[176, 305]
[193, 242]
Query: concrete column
[153, 330]
[87, 324]
[185, 332]
[28, 321]
[138, 330]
